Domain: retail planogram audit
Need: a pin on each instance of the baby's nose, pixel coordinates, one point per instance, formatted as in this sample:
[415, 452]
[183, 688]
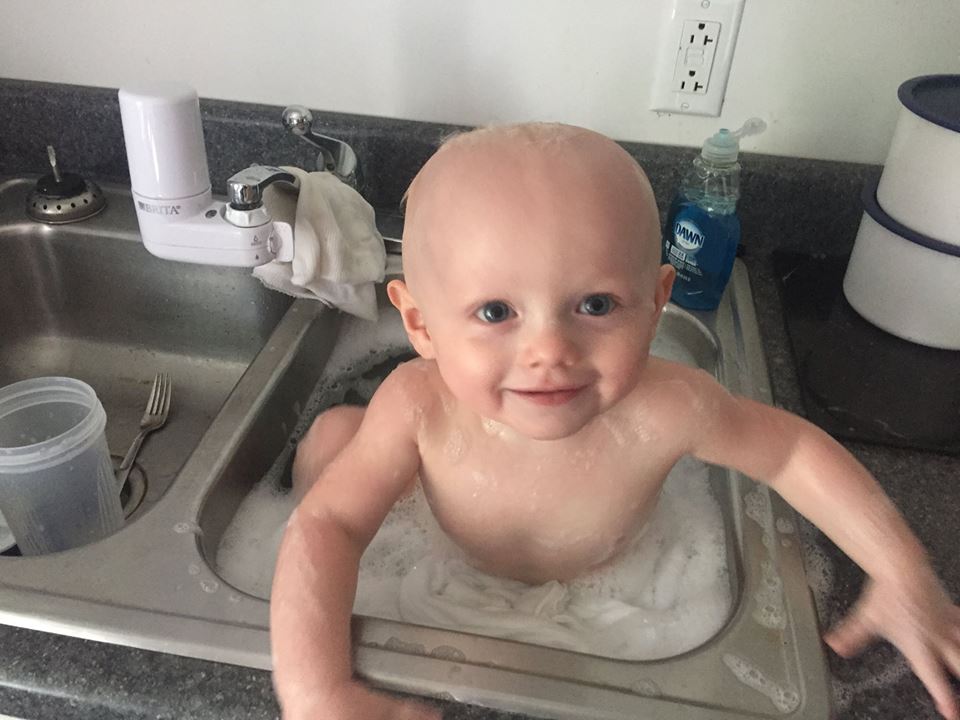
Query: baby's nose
[549, 346]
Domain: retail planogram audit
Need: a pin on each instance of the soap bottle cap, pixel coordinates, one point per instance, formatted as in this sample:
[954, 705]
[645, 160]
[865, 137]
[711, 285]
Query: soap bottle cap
[724, 147]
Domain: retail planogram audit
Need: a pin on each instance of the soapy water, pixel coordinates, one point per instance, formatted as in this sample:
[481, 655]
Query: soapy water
[769, 610]
[785, 698]
[667, 593]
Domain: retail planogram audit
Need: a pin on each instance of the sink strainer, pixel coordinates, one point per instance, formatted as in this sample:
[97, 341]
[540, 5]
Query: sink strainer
[63, 197]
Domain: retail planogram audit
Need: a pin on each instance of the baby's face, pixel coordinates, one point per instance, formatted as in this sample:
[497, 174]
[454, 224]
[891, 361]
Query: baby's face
[533, 274]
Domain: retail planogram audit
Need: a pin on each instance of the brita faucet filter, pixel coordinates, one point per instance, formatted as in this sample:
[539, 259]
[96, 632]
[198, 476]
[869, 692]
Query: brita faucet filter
[170, 182]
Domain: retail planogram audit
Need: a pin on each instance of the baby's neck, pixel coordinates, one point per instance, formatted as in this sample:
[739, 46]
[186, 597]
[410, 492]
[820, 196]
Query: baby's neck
[498, 429]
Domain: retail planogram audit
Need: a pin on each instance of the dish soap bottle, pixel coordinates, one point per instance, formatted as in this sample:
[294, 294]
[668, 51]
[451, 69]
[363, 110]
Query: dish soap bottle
[702, 231]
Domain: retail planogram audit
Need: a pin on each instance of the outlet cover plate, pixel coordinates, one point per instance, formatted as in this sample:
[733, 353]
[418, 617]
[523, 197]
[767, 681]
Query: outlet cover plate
[695, 54]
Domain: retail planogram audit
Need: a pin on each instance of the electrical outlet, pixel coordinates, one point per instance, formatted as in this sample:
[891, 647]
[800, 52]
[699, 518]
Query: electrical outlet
[698, 47]
[695, 56]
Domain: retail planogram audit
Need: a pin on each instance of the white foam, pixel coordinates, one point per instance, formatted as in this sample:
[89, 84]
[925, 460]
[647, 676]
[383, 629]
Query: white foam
[248, 550]
[785, 526]
[769, 610]
[785, 698]
[668, 593]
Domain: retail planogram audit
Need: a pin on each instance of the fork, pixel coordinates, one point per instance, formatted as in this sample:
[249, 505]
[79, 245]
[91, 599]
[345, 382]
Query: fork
[154, 417]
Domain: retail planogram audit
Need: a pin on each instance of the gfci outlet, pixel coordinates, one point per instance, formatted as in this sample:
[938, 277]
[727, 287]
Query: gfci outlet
[695, 56]
[698, 48]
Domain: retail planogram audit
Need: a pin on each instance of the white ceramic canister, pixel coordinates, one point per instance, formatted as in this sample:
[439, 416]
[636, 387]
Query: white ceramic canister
[903, 282]
[920, 185]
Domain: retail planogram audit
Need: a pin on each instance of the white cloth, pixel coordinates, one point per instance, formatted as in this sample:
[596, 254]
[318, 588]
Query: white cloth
[338, 253]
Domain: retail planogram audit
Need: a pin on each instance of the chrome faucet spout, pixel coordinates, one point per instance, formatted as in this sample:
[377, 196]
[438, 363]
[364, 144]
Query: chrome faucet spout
[246, 187]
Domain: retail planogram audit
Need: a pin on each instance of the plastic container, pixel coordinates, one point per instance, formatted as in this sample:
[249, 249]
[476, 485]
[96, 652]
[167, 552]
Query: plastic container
[702, 231]
[57, 488]
[7, 540]
[904, 282]
[920, 185]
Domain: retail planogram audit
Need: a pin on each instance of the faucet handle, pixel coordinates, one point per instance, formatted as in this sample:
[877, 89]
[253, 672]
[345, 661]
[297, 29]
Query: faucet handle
[246, 187]
[297, 119]
[335, 156]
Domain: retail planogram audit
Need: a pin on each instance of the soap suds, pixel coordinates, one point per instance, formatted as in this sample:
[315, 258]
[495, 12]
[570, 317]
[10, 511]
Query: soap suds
[785, 698]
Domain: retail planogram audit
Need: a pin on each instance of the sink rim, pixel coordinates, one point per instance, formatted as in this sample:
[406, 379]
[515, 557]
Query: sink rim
[204, 617]
[231, 626]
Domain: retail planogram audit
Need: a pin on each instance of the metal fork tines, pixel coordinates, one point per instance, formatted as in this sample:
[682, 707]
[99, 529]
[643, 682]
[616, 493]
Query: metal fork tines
[154, 417]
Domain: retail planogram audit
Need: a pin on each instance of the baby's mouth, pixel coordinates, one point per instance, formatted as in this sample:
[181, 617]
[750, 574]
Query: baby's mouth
[549, 396]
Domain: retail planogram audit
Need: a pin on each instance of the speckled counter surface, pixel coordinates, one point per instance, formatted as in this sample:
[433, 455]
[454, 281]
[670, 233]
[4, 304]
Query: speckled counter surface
[787, 203]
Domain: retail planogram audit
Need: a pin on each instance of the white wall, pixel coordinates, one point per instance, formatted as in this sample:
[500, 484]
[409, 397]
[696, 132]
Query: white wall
[823, 73]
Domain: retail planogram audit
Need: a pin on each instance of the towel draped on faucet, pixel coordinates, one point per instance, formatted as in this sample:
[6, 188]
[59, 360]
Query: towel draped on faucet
[338, 253]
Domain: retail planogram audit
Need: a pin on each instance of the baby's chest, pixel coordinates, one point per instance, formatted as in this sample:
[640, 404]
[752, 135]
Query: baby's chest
[481, 482]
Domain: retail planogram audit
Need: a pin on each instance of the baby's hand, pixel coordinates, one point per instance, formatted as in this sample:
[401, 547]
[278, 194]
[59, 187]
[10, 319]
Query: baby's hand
[918, 617]
[356, 702]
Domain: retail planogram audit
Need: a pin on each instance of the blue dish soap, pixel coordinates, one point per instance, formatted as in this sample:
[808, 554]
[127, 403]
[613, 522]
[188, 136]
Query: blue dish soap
[702, 231]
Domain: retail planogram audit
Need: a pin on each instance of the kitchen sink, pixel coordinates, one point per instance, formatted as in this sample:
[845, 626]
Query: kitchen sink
[88, 301]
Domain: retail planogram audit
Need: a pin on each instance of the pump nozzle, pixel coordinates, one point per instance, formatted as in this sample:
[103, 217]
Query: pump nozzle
[724, 146]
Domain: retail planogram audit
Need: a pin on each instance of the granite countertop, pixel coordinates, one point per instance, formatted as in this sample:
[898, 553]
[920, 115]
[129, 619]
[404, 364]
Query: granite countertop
[786, 203]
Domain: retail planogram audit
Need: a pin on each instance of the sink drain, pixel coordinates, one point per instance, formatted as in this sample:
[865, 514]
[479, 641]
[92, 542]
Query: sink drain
[134, 489]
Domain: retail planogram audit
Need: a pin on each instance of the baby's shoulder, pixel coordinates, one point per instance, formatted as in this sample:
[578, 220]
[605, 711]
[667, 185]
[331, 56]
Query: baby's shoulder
[677, 391]
[661, 370]
[409, 392]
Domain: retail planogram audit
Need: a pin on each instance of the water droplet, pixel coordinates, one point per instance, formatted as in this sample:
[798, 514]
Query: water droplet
[647, 688]
[448, 652]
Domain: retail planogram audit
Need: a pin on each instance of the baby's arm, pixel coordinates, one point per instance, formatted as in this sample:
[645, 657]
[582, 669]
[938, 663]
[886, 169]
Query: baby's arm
[903, 601]
[316, 577]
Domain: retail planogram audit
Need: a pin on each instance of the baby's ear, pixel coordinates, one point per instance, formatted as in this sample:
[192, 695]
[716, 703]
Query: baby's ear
[412, 318]
[665, 277]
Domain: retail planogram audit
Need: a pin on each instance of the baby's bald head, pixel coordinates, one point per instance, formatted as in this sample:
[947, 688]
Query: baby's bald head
[532, 170]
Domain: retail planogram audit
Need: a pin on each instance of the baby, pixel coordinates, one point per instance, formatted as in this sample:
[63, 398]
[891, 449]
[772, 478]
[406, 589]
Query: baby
[541, 427]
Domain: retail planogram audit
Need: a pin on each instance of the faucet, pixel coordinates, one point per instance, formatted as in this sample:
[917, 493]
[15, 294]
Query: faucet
[170, 184]
[335, 155]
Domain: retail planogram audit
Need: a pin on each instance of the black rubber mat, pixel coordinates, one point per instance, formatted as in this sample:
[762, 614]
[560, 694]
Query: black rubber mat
[859, 382]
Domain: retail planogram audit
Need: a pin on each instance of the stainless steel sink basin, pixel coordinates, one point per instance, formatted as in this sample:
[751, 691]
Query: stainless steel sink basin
[152, 585]
[88, 301]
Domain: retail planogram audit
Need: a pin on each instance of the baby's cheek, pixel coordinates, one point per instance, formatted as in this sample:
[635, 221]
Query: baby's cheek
[475, 383]
[625, 366]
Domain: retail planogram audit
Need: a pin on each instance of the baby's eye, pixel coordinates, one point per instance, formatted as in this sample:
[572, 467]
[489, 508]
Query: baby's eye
[494, 312]
[596, 305]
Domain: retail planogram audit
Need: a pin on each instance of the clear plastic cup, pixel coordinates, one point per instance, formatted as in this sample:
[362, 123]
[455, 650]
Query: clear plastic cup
[57, 488]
